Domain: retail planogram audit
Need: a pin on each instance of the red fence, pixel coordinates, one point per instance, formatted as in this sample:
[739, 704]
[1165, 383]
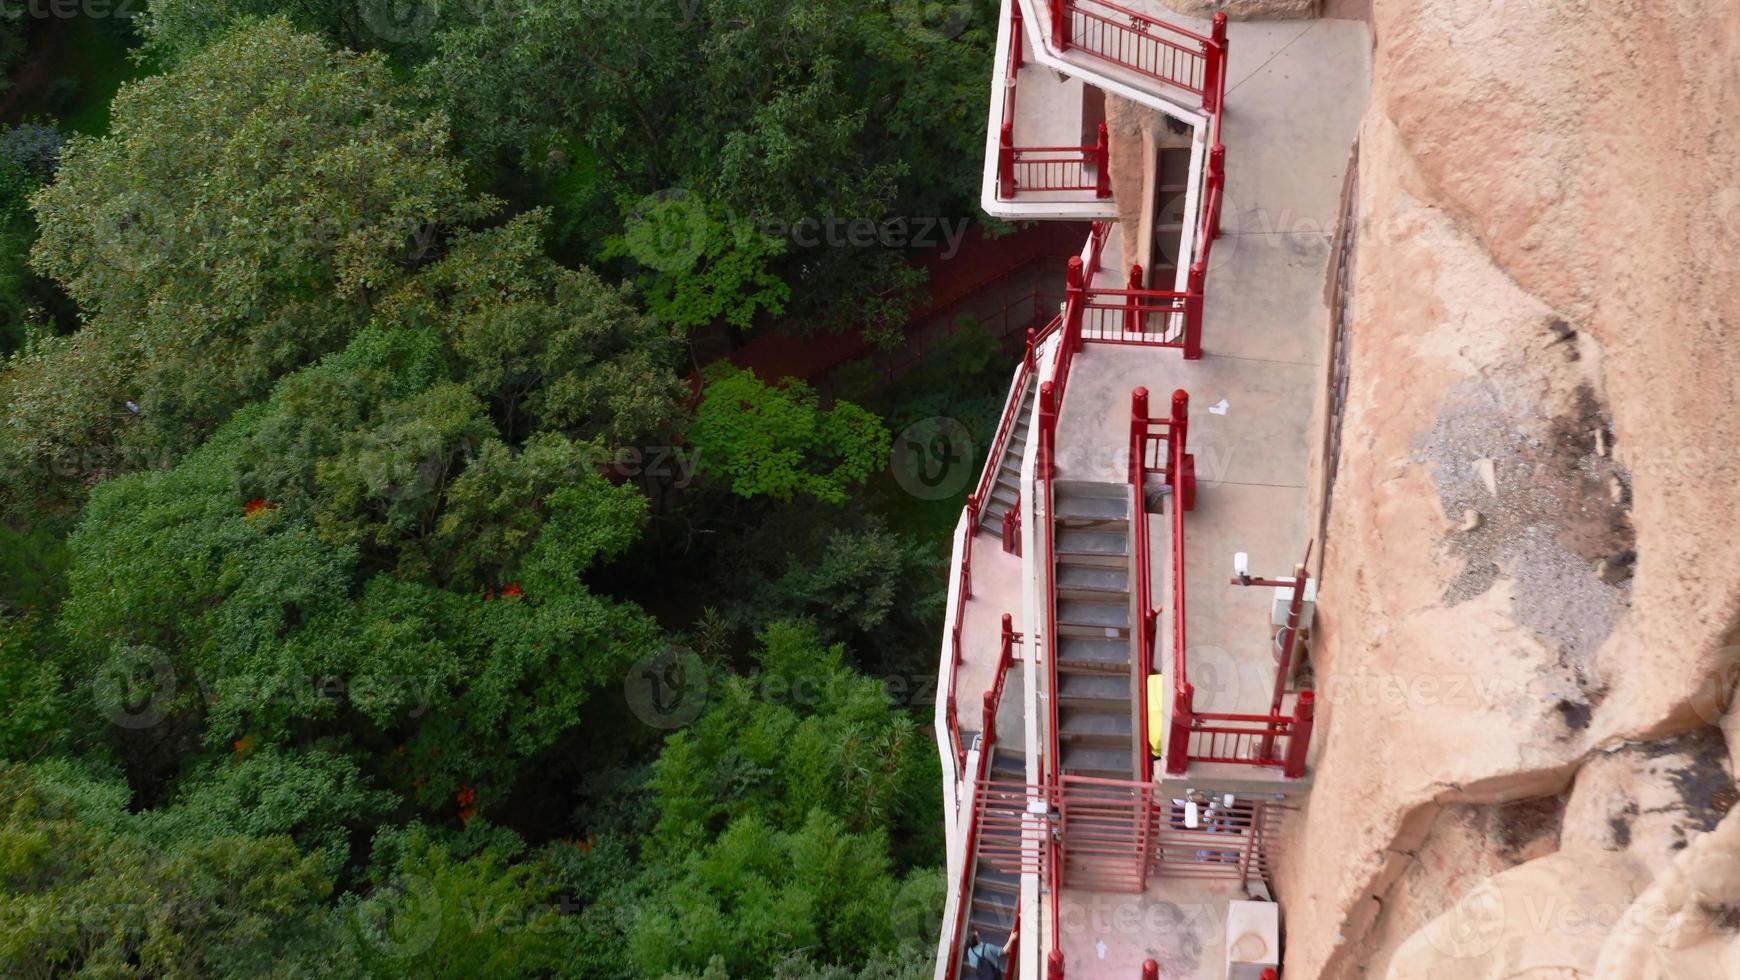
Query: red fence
[1031, 169]
[1229, 841]
[1276, 740]
[1157, 446]
[1134, 41]
[984, 815]
[1034, 169]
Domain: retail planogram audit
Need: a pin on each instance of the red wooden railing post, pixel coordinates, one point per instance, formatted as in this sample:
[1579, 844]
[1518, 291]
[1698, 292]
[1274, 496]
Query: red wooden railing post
[1103, 160]
[1054, 964]
[1028, 357]
[1216, 189]
[1181, 467]
[1006, 161]
[1015, 38]
[1075, 292]
[1150, 970]
[1285, 661]
[1177, 438]
[1299, 739]
[1214, 64]
[1060, 30]
[1133, 318]
[1047, 462]
[1178, 736]
[1138, 429]
[1193, 313]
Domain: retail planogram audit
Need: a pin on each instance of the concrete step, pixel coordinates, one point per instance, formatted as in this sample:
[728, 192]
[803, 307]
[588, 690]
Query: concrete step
[1104, 583]
[1092, 547]
[1105, 620]
[1104, 692]
[1008, 765]
[1093, 655]
[1082, 488]
[989, 879]
[1076, 509]
[1098, 760]
[992, 907]
[1076, 726]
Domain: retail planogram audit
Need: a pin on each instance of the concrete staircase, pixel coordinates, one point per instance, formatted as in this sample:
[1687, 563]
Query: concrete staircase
[1006, 488]
[1095, 630]
[995, 893]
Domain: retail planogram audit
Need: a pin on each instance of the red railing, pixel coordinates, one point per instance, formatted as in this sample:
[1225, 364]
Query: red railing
[963, 588]
[1274, 740]
[977, 800]
[1005, 426]
[1148, 317]
[1077, 277]
[1135, 41]
[1227, 842]
[1032, 169]
[1012, 527]
[1176, 468]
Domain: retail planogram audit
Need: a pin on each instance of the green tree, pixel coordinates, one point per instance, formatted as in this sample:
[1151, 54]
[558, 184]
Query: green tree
[759, 114]
[366, 528]
[84, 889]
[805, 733]
[757, 894]
[777, 441]
[214, 249]
[431, 912]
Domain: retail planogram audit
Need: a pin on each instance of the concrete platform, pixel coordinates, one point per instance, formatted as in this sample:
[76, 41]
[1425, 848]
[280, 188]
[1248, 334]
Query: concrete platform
[1178, 923]
[1049, 110]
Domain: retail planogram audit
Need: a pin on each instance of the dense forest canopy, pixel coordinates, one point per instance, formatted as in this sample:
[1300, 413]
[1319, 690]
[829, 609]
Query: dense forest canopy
[389, 586]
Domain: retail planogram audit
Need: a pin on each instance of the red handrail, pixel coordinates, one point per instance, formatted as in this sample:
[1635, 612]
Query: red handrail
[987, 742]
[1022, 169]
[1140, 43]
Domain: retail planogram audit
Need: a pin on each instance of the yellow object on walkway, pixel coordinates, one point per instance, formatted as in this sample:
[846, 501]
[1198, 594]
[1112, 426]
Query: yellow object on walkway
[1156, 712]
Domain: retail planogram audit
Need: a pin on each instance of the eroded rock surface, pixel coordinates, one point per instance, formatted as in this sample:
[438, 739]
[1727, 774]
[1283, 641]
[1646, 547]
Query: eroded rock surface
[1530, 591]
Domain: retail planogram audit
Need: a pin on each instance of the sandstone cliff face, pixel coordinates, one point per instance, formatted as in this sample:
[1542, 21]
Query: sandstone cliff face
[1530, 616]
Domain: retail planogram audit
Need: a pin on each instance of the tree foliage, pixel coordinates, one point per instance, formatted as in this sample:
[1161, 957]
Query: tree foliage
[318, 560]
[214, 250]
[777, 440]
